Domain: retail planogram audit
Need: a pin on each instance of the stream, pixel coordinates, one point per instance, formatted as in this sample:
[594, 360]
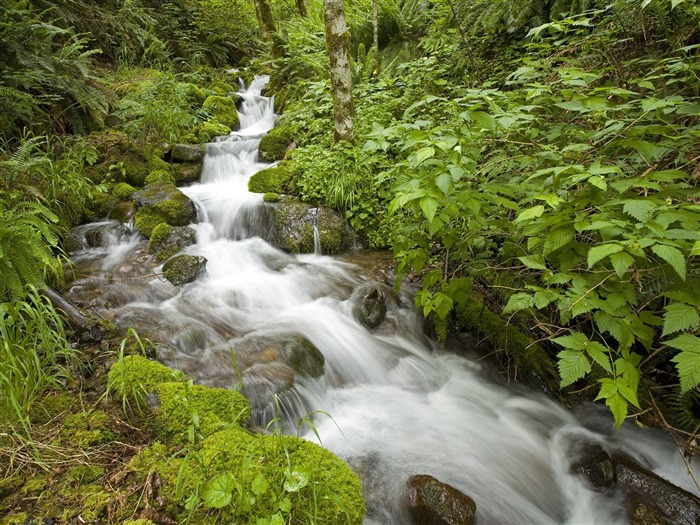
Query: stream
[389, 401]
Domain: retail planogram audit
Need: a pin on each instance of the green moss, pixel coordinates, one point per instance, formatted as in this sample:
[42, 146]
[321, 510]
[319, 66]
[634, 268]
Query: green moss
[138, 522]
[19, 518]
[95, 506]
[160, 202]
[195, 93]
[123, 191]
[214, 408]
[100, 204]
[159, 175]
[275, 144]
[35, 486]
[155, 161]
[210, 129]
[50, 407]
[159, 235]
[271, 197]
[146, 221]
[186, 172]
[277, 179]
[87, 429]
[81, 474]
[136, 374]
[222, 109]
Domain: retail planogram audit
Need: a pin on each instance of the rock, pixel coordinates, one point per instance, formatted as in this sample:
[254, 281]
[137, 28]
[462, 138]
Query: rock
[161, 202]
[193, 153]
[293, 350]
[184, 269]
[370, 307]
[186, 172]
[294, 228]
[275, 144]
[277, 179]
[103, 233]
[432, 502]
[639, 484]
[168, 240]
[595, 467]
[643, 514]
[223, 109]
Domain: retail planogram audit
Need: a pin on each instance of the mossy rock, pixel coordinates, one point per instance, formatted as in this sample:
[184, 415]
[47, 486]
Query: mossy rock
[210, 129]
[123, 191]
[276, 179]
[134, 376]
[100, 205]
[223, 109]
[275, 144]
[160, 175]
[271, 197]
[121, 158]
[215, 408]
[161, 202]
[294, 231]
[192, 153]
[183, 269]
[168, 240]
[186, 172]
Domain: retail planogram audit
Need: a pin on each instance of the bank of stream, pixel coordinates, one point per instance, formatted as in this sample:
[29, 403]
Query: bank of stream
[289, 331]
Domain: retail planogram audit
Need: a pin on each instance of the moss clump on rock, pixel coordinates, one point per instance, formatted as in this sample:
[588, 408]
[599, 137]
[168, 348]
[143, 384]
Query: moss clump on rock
[223, 109]
[160, 175]
[134, 376]
[161, 202]
[123, 191]
[277, 179]
[210, 129]
[168, 240]
[184, 269]
[275, 144]
[271, 197]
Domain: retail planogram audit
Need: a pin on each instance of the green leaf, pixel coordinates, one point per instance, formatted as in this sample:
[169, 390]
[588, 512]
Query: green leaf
[536, 262]
[429, 207]
[444, 182]
[423, 154]
[688, 360]
[642, 210]
[612, 391]
[218, 491]
[573, 365]
[296, 479]
[600, 355]
[695, 250]
[598, 182]
[517, 302]
[621, 262]
[672, 256]
[530, 213]
[601, 251]
[679, 316]
[259, 484]
[285, 505]
[575, 341]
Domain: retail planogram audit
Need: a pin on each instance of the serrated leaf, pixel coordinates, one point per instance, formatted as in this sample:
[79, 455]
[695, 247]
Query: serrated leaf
[695, 250]
[598, 182]
[444, 182]
[621, 262]
[429, 207]
[575, 341]
[672, 256]
[601, 251]
[424, 154]
[218, 491]
[557, 239]
[599, 354]
[573, 365]
[642, 210]
[613, 399]
[685, 342]
[687, 361]
[679, 316]
[530, 213]
[536, 262]
[628, 368]
[517, 302]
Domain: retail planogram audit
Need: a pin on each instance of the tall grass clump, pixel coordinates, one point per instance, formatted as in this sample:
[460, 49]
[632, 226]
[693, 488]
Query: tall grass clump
[35, 356]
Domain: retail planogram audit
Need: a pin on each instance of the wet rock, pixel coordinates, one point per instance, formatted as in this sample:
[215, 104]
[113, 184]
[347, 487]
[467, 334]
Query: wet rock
[643, 514]
[102, 234]
[168, 240]
[595, 467]
[432, 502]
[161, 202]
[187, 172]
[370, 307]
[669, 501]
[294, 228]
[184, 269]
[293, 350]
[193, 153]
[121, 212]
[263, 381]
[275, 144]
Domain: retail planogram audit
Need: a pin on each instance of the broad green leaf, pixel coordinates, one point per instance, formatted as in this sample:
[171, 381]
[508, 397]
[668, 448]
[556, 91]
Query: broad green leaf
[679, 316]
[672, 256]
[688, 360]
[685, 342]
[517, 302]
[621, 262]
[557, 239]
[536, 262]
[600, 355]
[598, 182]
[285, 505]
[259, 484]
[642, 210]
[573, 365]
[601, 251]
[296, 479]
[575, 341]
[218, 491]
[628, 367]
[423, 154]
[429, 207]
[675, 3]
[530, 213]
[613, 399]
[444, 182]
[695, 250]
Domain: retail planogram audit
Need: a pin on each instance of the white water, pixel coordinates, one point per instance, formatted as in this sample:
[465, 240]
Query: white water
[400, 405]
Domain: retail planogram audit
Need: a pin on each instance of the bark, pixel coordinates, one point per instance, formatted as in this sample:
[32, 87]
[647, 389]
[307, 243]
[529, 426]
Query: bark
[301, 6]
[268, 26]
[84, 326]
[338, 44]
[375, 30]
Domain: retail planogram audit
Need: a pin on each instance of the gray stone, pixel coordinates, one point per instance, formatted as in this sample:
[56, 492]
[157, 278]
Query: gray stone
[183, 269]
[370, 307]
[187, 153]
[432, 502]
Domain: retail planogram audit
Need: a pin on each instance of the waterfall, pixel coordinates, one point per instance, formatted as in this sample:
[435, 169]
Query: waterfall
[399, 405]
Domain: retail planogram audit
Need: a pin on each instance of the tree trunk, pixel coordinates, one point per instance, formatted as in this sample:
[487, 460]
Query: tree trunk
[267, 24]
[338, 44]
[301, 6]
[375, 30]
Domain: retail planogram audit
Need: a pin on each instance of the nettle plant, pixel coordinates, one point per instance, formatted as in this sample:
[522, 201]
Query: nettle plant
[584, 192]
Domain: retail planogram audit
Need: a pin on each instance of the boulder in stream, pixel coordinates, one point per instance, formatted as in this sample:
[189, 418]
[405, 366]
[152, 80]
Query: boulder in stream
[183, 269]
[432, 502]
[161, 202]
[193, 153]
[294, 228]
[370, 307]
[168, 240]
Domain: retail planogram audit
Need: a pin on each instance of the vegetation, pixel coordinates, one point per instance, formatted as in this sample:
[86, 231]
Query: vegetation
[534, 164]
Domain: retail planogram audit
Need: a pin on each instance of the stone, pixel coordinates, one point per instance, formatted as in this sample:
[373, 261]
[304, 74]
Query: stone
[595, 467]
[294, 228]
[161, 202]
[193, 153]
[275, 144]
[166, 240]
[370, 307]
[432, 502]
[637, 483]
[223, 109]
[183, 269]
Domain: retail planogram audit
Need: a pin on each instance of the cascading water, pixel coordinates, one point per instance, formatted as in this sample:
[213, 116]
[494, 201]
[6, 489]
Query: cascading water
[400, 406]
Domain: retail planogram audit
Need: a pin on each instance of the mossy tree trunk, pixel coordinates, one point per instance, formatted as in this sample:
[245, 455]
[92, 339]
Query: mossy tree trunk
[338, 44]
[375, 34]
[268, 26]
[301, 6]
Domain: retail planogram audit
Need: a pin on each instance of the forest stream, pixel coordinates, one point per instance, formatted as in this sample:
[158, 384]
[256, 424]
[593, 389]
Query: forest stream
[388, 400]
